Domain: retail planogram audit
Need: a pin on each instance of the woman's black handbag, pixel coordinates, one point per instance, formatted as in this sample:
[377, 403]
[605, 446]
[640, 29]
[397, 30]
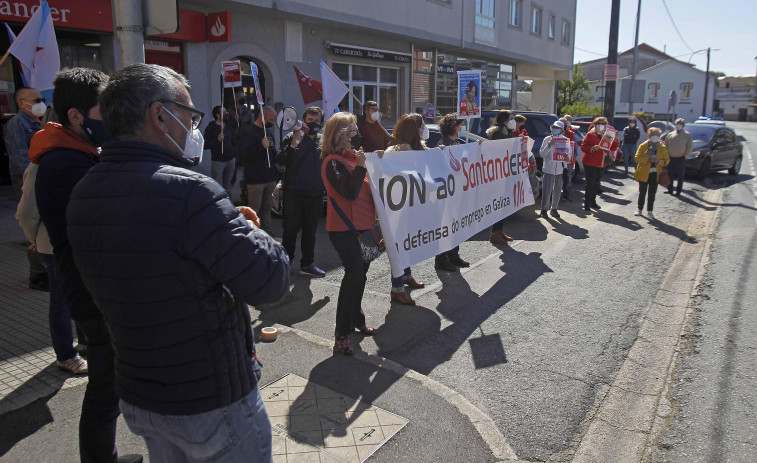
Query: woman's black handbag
[371, 240]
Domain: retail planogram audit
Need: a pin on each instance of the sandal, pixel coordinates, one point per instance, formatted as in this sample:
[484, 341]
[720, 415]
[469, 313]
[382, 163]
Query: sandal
[342, 346]
[368, 331]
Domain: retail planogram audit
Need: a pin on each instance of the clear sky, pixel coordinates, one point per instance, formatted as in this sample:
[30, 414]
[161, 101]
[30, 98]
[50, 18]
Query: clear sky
[730, 25]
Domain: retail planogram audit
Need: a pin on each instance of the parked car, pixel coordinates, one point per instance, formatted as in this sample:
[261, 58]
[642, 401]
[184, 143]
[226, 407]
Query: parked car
[715, 147]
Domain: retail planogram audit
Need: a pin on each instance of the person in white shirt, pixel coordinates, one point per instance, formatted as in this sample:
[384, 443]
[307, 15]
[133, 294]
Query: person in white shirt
[555, 160]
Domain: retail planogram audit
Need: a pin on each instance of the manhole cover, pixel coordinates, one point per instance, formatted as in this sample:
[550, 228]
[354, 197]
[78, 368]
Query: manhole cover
[312, 423]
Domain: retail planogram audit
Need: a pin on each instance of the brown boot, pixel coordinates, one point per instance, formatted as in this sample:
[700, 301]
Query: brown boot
[402, 298]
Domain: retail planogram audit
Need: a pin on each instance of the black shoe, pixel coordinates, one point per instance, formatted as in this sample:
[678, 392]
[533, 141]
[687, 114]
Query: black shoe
[40, 286]
[596, 206]
[459, 262]
[668, 192]
[678, 193]
[587, 208]
[600, 191]
[129, 459]
[446, 265]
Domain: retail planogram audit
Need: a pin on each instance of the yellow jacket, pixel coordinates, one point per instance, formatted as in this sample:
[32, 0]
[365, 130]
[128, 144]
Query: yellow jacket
[643, 164]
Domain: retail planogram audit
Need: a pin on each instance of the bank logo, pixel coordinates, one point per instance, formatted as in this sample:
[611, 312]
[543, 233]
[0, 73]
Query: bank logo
[454, 163]
[218, 28]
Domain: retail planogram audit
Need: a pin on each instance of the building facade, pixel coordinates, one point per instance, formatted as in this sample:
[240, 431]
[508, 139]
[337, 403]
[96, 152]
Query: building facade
[405, 54]
[666, 87]
[733, 95]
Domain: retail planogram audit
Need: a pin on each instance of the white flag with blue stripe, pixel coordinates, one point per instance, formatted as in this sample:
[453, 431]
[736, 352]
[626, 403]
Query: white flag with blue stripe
[36, 48]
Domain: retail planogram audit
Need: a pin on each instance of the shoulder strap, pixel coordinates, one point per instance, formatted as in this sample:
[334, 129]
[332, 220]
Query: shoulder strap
[343, 216]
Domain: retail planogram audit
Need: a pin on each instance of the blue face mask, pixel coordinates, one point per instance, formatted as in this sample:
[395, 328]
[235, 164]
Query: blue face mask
[95, 130]
[556, 132]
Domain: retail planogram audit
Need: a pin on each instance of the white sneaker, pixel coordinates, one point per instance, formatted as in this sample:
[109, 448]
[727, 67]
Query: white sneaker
[75, 365]
[637, 213]
[650, 214]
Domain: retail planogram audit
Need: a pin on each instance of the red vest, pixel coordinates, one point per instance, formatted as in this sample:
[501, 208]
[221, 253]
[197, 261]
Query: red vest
[360, 211]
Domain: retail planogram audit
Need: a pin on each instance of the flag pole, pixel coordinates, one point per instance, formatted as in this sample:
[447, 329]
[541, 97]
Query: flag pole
[5, 56]
[356, 98]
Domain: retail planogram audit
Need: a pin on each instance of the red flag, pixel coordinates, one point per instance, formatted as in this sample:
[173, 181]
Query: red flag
[311, 89]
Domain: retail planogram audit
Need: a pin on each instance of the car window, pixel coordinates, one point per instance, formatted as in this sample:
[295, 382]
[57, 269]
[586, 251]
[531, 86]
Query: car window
[434, 138]
[700, 134]
[479, 125]
[620, 123]
[729, 137]
[536, 127]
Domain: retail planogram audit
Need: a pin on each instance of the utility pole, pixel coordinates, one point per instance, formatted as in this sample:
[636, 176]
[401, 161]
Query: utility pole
[706, 84]
[612, 58]
[635, 58]
[129, 28]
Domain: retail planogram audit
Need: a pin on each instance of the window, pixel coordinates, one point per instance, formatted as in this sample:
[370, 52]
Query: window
[514, 13]
[654, 89]
[485, 13]
[551, 27]
[535, 20]
[565, 33]
[293, 41]
[686, 92]
[379, 84]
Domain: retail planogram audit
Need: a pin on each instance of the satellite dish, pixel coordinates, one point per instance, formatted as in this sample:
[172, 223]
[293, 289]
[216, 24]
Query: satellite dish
[286, 119]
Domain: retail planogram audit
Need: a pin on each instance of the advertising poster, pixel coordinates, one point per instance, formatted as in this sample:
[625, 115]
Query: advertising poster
[468, 94]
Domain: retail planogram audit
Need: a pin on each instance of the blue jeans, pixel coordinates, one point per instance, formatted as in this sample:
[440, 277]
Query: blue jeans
[60, 315]
[238, 432]
[629, 154]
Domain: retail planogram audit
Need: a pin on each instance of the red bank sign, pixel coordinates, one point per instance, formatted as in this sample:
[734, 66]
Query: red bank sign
[91, 15]
[97, 15]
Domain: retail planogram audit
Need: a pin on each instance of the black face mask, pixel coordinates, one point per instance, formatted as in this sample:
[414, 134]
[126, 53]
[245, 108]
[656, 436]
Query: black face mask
[95, 130]
[242, 101]
[268, 125]
[314, 127]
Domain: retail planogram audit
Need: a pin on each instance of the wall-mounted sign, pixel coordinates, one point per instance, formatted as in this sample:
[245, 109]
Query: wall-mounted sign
[367, 53]
[219, 26]
[445, 69]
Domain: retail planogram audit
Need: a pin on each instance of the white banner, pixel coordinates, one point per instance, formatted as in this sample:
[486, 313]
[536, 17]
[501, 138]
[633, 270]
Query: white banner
[430, 201]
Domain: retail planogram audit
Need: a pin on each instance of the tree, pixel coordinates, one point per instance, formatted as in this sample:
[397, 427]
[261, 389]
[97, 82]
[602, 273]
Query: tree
[575, 90]
[581, 109]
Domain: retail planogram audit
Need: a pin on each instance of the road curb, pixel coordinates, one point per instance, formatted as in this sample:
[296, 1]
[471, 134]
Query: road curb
[485, 426]
[622, 424]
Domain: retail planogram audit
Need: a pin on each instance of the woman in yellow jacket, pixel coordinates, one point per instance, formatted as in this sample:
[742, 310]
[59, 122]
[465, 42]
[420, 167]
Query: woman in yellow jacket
[651, 159]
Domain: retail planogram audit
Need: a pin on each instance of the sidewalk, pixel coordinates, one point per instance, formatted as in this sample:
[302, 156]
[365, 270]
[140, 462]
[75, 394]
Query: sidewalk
[39, 404]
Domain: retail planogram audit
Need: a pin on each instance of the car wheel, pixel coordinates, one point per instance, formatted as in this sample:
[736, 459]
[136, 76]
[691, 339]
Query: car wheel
[736, 167]
[704, 169]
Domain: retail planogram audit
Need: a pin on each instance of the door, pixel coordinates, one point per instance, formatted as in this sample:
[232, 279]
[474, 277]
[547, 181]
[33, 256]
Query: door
[720, 150]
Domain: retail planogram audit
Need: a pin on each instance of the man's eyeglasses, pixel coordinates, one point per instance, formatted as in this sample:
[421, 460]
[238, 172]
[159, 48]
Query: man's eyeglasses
[197, 115]
[36, 100]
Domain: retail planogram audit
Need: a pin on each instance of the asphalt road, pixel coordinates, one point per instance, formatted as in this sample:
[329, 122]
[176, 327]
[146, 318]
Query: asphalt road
[533, 334]
[714, 397]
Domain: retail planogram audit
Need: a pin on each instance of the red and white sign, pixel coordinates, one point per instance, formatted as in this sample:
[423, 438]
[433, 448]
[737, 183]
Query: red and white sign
[232, 73]
[607, 138]
[218, 26]
[611, 72]
[430, 110]
[92, 15]
[561, 151]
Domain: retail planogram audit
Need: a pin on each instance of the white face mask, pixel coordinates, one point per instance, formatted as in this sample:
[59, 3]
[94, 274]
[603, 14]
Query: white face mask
[600, 128]
[376, 116]
[38, 109]
[193, 143]
[679, 127]
[424, 134]
[654, 138]
[462, 131]
[511, 124]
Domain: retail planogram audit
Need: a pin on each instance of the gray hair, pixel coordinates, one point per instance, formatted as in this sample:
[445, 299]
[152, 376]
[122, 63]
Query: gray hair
[131, 91]
[681, 120]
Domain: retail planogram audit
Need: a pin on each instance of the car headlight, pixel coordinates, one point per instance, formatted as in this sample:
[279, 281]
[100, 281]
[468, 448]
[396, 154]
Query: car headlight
[694, 154]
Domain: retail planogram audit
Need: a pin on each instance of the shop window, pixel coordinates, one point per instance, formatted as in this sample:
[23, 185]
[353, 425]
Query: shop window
[370, 83]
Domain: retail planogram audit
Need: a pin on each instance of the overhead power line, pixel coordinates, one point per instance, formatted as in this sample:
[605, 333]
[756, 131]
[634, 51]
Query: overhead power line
[676, 27]
[589, 51]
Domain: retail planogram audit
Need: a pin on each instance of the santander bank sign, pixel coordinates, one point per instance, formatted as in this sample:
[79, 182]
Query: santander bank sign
[91, 15]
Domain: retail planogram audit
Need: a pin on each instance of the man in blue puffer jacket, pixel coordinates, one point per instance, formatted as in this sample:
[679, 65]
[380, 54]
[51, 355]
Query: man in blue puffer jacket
[171, 263]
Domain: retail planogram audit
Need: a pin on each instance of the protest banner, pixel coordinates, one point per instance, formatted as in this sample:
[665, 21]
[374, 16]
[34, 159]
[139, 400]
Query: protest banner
[232, 73]
[430, 201]
[468, 94]
[561, 151]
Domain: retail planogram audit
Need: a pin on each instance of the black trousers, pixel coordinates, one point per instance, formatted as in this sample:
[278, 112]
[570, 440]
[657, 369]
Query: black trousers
[349, 311]
[676, 170]
[593, 174]
[301, 213]
[648, 188]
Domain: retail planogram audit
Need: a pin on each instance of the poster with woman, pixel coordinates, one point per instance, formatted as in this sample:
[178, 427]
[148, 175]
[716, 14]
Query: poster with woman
[468, 94]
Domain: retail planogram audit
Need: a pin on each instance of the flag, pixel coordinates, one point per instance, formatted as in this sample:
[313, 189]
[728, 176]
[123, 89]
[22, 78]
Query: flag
[24, 70]
[333, 90]
[310, 88]
[36, 48]
[258, 95]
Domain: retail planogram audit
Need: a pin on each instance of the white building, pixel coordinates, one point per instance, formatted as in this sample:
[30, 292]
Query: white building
[671, 88]
[733, 96]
